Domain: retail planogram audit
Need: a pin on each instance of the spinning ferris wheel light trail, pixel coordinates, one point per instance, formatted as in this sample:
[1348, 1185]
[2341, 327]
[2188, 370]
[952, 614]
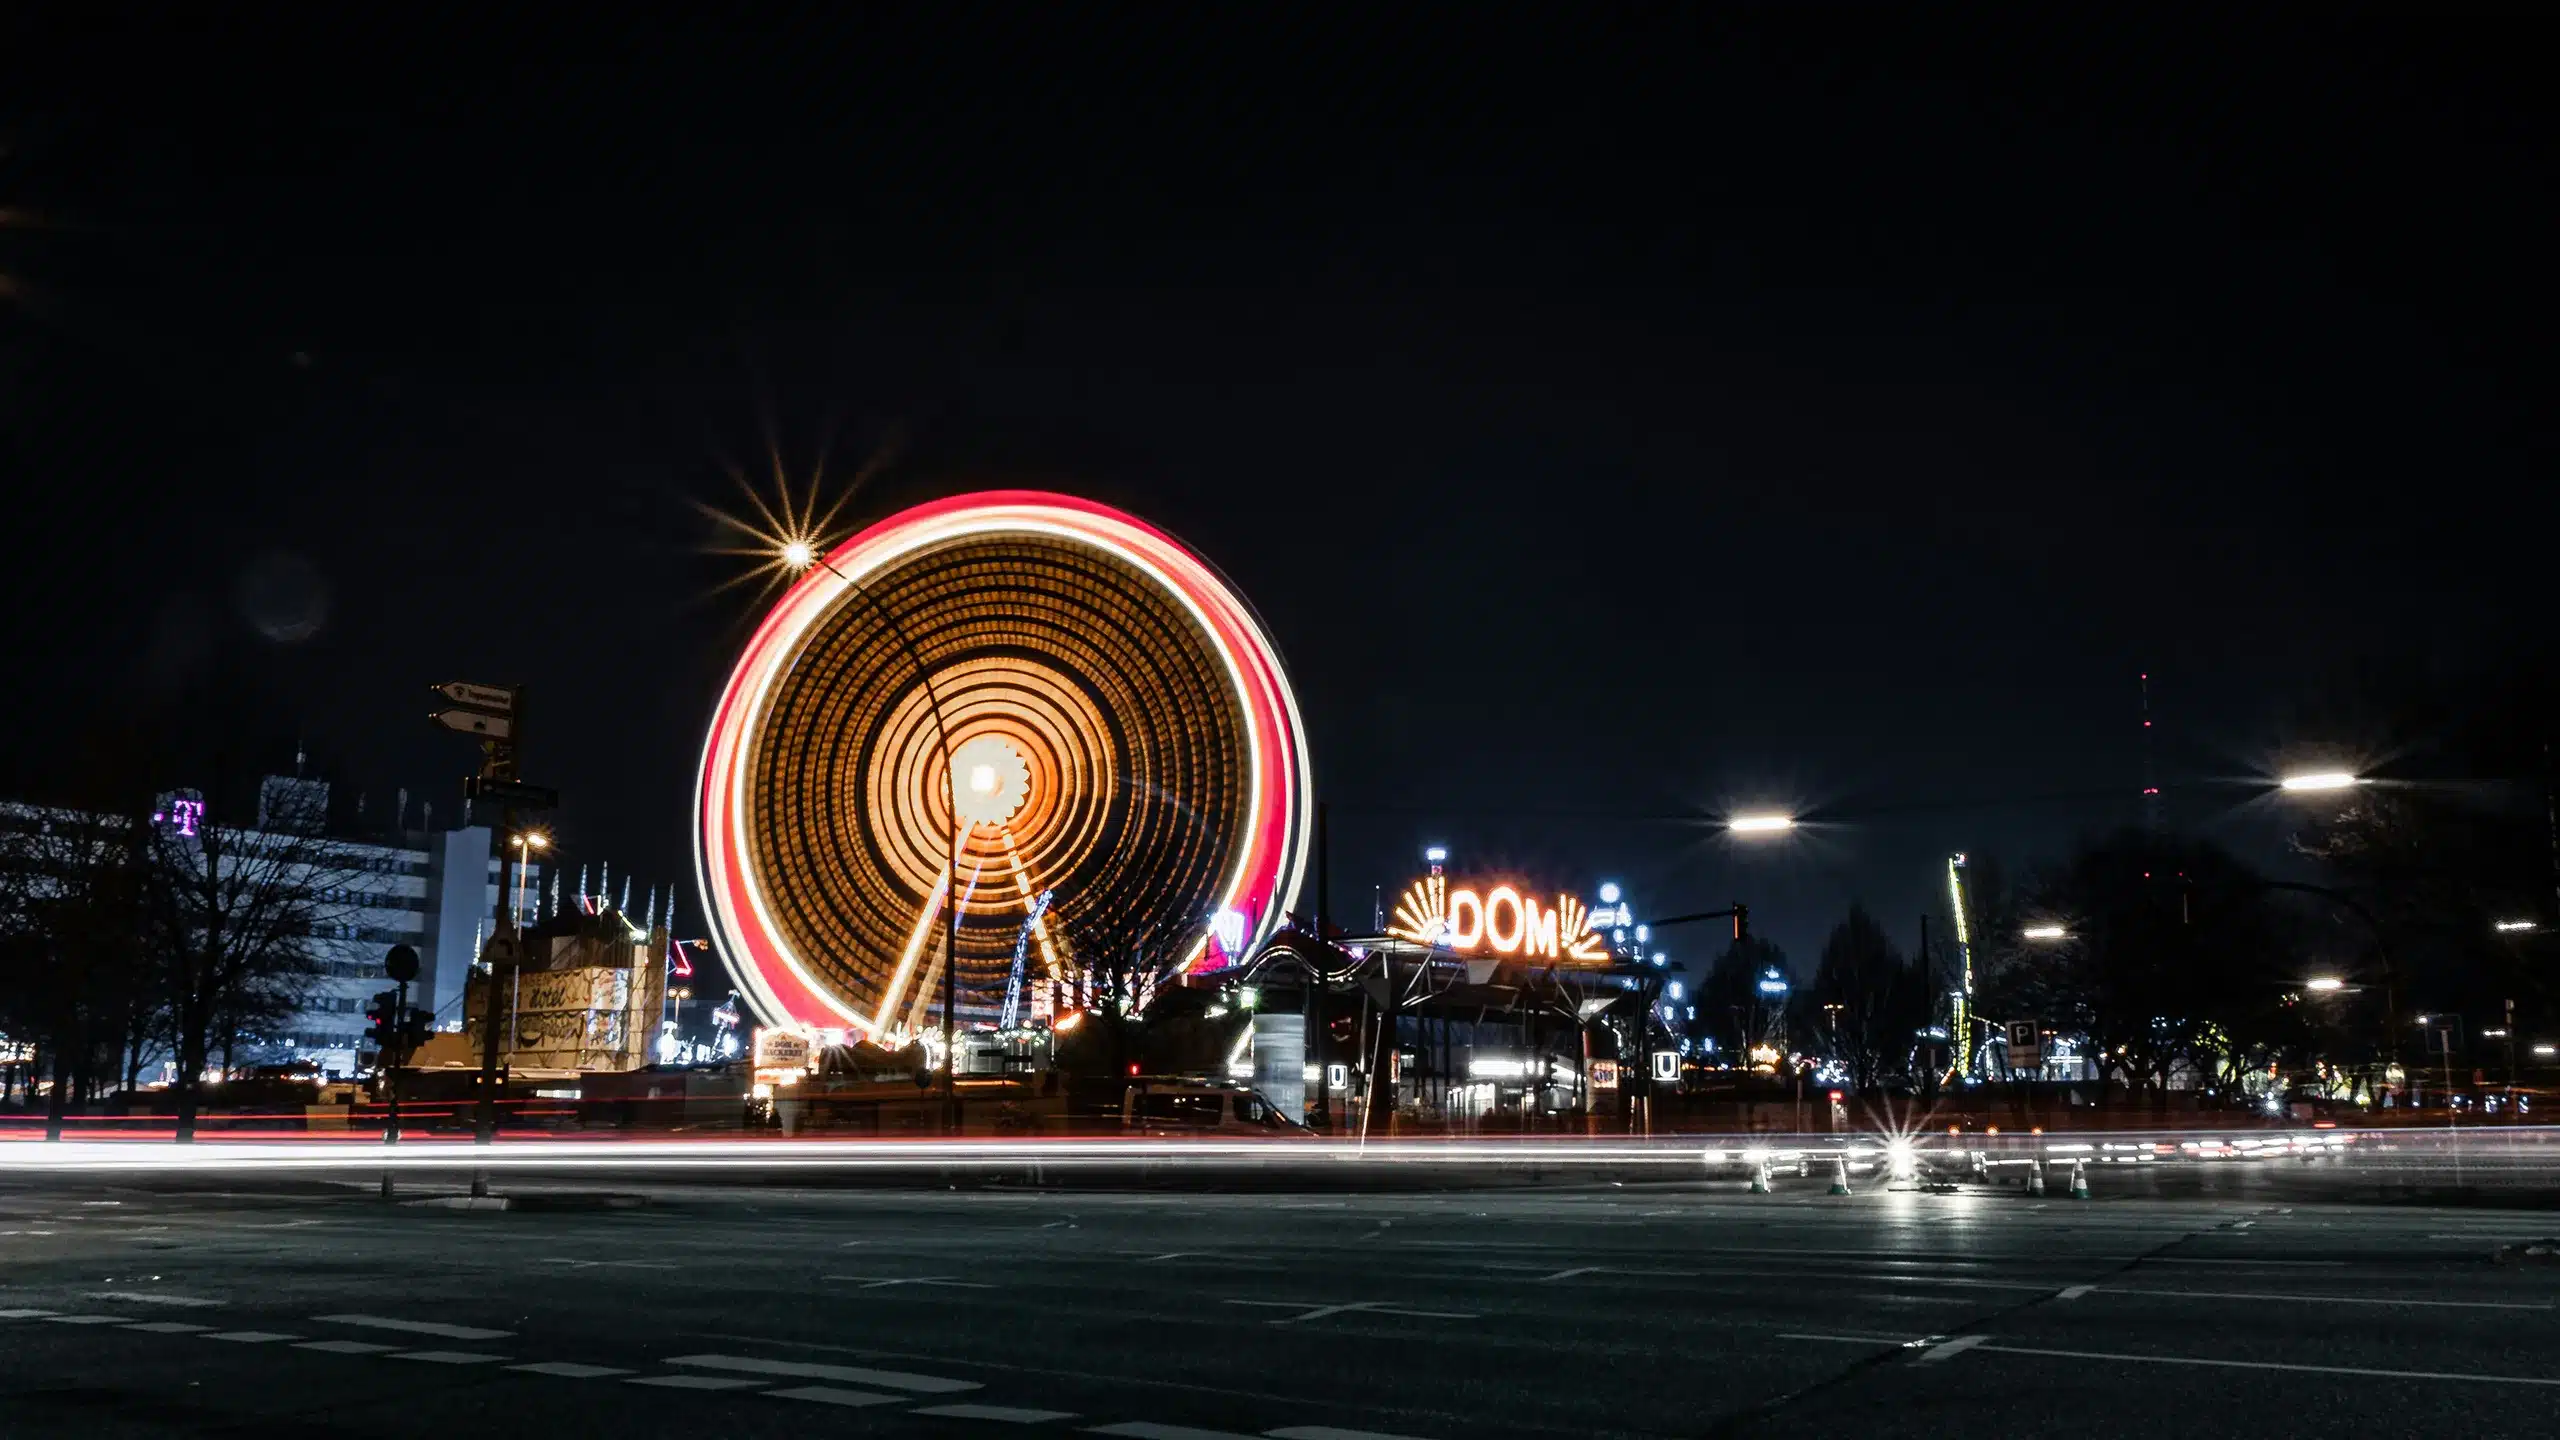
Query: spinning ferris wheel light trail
[1121, 740]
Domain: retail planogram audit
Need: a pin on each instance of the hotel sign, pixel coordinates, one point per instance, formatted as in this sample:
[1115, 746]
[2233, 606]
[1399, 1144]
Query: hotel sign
[1496, 921]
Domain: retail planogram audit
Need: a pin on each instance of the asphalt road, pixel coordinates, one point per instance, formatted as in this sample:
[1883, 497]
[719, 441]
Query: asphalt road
[210, 1305]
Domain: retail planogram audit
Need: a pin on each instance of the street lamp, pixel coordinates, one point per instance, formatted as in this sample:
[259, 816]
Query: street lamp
[2511, 927]
[1760, 824]
[526, 842]
[2321, 780]
[2045, 932]
[2324, 984]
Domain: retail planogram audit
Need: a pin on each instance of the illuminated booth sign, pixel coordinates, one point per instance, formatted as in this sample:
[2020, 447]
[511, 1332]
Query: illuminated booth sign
[1498, 921]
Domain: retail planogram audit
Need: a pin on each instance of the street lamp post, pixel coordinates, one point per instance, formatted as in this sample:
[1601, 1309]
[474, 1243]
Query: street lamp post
[526, 843]
[799, 556]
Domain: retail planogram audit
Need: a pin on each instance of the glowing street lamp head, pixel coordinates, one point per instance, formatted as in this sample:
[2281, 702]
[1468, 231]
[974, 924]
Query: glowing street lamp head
[797, 555]
[533, 840]
[2321, 780]
[2046, 932]
[1760, 824]
[2324, 984]
[1609, 893]
[2512, 927]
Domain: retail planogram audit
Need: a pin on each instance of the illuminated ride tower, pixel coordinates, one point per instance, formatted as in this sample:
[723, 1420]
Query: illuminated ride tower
[1015, 698]
[1960, 1001]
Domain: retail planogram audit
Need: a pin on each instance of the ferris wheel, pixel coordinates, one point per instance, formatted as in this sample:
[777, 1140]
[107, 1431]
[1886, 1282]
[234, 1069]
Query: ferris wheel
[981, 702]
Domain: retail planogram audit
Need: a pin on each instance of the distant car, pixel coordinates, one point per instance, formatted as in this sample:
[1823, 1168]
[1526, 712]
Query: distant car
[1169, 1108]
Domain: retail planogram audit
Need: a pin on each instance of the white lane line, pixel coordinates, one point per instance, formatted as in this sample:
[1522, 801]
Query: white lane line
[1951, 1349]
[2194, 1260]
[1569, 1274]
[849, 1374]
[2075, 1292]
[88, 1319]
[340, 1347]
[1848, 1339]
[169, 1327]
[830, 1395]
[2273, 1365]
[569, 1370]
[883, 1282]
[2325, 1299]
[607, 1264]
[145, 1297]
[415, 1327]
[695, 1382]
[1009, 1414]
[250, 1337]
[23, 1314]
[1330, 1432]
[1356, 1307]
[1150, 1430]
[449, 1357]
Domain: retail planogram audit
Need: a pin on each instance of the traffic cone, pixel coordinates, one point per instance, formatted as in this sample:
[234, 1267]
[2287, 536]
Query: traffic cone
[2035, 1178]
[1839, 1176]
[2079, 1180]
[1760, 1178]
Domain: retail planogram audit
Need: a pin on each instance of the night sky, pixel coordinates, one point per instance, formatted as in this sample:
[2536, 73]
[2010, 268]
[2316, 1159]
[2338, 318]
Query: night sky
[1615, 424]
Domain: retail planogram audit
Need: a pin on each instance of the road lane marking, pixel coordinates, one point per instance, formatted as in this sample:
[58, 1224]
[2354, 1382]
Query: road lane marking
[2075, 1292]
[1848, 1339]
[1951, 1349]
[569, 1370]
[1330, 1432]
[830, 1395]
[2195, 1260]
[88, 1320]
[882, 1282]
[695, 1382]
[24, 1314]
[1569, 1274]
[1356, 1307]
[449, 1357]
[250, 1337]
[2324, 1299]
[145, 1297]
[849, 1374]
[606, 1264]
[169, 1327]
[1150, 1430]
[415, 1327]
[341, 1347]
[1009, 1414]
[2272, 1365]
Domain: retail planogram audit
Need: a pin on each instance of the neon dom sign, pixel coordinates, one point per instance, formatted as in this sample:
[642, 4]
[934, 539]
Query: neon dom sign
[1498, 921]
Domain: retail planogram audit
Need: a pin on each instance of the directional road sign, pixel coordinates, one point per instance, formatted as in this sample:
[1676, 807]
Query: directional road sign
[476, 722]
[511, 792]
[496, 699]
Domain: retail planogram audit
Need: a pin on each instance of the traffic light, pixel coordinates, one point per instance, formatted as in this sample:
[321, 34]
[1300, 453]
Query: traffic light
[382, 1023]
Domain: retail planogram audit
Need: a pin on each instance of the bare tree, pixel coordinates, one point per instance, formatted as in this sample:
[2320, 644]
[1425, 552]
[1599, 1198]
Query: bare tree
[238, 916]
[71, 955]
[1867, 1001]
